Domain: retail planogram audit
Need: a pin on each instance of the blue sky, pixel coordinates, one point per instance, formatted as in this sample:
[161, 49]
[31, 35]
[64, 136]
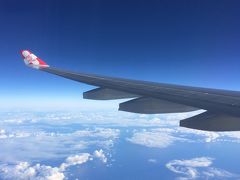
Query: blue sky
[194, 43]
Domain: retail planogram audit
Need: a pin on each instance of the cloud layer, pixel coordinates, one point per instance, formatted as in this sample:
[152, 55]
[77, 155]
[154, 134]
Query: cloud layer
[23, 170]
[164, 137]
[27, 138]
[153, 139]
[200, 167]
[40, 145]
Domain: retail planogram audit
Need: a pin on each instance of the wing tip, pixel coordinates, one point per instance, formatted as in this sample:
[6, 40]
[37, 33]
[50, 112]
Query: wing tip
[32, 60]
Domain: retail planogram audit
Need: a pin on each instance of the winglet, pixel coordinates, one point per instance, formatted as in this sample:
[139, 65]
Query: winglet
[32, 60]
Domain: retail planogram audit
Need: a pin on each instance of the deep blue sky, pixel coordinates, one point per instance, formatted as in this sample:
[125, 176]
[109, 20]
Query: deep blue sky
[190, 42]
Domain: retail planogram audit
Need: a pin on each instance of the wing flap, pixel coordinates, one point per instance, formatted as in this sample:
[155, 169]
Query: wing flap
[107, 94]
[148, 105]
[211, 121]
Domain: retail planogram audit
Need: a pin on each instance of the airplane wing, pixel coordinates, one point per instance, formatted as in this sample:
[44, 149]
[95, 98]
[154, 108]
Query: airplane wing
[222, 106]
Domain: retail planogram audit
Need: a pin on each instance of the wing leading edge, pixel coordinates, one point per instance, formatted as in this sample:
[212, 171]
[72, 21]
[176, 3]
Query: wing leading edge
[223, 106]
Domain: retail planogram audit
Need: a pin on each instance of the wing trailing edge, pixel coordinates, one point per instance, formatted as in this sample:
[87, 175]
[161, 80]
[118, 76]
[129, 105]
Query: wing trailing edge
[210, 121]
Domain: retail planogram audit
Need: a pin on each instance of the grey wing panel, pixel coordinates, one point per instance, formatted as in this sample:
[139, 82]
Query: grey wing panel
[211, 121]
[171, 93]
[223, 109]
[148, 105]
[107, 94]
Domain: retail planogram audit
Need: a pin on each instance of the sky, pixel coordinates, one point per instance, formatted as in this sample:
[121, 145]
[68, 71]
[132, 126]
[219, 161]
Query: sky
[186, 42]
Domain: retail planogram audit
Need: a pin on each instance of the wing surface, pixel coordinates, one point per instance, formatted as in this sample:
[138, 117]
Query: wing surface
[223, 106]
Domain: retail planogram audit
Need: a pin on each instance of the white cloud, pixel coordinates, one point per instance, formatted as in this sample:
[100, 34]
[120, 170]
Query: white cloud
[120, 119]
[155, 138]
[123, 119]
[152, 160]
[23, 170]
[98, 132]
[25, 145]
[18, 134]
[82, 158]
[110, 118]
[99, 154]
[208, 137]
[75, 160]
[200, 167]
[3, 134]
[166, 136]
[151, 139]
[53, 131]
[215, 172]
